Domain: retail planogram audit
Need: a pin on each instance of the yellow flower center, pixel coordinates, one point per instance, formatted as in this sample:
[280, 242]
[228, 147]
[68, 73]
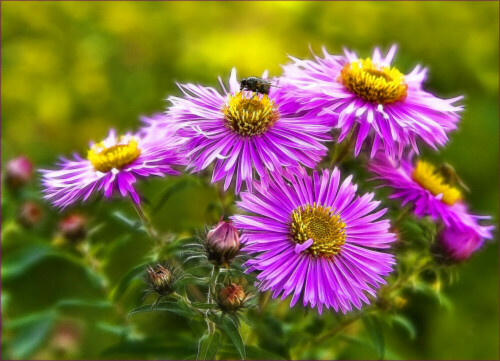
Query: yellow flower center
[381, 85]
[117, 156]
[426, 175]
[250, 115]
[322, 225]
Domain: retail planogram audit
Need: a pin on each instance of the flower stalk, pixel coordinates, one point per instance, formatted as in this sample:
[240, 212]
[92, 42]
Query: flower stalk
[145, 221]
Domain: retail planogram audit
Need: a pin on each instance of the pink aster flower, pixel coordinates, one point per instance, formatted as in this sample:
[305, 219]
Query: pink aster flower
[241, 131]
[372, 98]
[422, 186]
[112, 165]
[313, 237]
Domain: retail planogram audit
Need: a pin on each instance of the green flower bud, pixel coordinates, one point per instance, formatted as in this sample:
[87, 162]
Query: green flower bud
[231, 298]
[161, 279]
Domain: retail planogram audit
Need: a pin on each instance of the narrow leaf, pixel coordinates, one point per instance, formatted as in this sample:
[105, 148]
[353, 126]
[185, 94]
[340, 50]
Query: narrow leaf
[169, 306]
[406, 324]
[374, 330]
[233, 333]
[127, 280]
[19, 262]
[133, 224]
[30, 332]
[208, 346]
[84, 303]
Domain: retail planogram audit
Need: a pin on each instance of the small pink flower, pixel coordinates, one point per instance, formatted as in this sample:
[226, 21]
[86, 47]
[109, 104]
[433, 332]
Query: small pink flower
[18, 172]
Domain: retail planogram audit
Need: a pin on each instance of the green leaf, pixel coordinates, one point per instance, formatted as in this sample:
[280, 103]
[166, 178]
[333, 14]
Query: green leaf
[228, 325]
[127, 280]
[427, 289]
[17, 263]
[374, 329]
[117, 330]
[84, 303]
[202, 305]
[134, 224]
[246, 320]
[30, 332]
[174, 307]
[208, 346]
[406, 324]
[5, 297]
[183, 282]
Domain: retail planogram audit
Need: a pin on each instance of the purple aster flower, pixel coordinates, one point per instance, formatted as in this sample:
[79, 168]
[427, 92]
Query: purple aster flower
[239, 131]
[374, 98]
[315, 238]
[113, 164]
[459, 244]
[428, 192]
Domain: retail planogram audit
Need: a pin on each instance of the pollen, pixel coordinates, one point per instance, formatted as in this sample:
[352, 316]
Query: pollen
[116, 156]
[322, 225]
[381, 85]
[250, 115]
[426, 175]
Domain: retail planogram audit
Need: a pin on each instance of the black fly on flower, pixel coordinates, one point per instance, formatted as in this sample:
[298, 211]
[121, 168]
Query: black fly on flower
[256, 85]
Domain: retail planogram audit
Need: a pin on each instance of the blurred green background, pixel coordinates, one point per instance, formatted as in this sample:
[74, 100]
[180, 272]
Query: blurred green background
[72, 70]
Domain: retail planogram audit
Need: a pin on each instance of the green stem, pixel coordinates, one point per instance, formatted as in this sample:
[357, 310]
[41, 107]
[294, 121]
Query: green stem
[187, 301]
[97, 267]
[214, 274]
[222, 198]
[402, 216]
[145, 221]
[417, 270]
[348, 143]
[341, 326]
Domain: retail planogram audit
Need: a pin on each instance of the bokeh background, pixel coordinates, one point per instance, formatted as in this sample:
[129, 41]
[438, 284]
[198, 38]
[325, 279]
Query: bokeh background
[72, 70]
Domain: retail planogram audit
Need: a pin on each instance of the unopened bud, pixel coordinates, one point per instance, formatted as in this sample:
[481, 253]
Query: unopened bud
[231, 298]
[30, 214]
[223, 243]
[160, 279]
[455, 246]
[18, 172]
[73, 227]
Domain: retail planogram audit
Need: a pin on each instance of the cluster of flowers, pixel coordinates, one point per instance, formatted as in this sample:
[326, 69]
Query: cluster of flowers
[309, 234]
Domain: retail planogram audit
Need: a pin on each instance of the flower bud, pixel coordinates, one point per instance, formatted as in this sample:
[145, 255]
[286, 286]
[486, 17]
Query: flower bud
[18, 172]
[455, 245]
[73, 227]
[30, 214]
[223, 243]
[231, 298]
[160, 279]
[66, 339]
